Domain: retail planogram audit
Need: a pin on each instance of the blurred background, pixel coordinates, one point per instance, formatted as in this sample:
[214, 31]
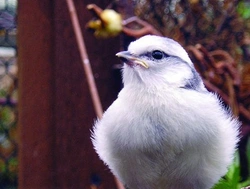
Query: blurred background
[46, 112]
[8, 94]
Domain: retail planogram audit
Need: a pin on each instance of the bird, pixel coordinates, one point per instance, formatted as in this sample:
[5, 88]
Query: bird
[165, 130]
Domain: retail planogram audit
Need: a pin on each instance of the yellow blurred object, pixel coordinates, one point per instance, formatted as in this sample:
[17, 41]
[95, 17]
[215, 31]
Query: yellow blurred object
[95, 24]
[109, 24]
[193, 1]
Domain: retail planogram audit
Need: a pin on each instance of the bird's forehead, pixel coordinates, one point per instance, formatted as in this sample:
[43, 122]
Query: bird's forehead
[149, 43]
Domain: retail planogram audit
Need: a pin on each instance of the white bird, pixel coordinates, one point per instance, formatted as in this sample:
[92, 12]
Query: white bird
[165, 130]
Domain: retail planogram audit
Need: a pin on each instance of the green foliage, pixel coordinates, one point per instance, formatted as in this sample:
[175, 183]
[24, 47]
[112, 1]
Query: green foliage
[7, 117]
[8, 145]
[232, 178]
[3, 93]
[243, 9]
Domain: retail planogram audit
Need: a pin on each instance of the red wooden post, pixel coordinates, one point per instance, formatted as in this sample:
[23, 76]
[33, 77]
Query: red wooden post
[35, 122]
[55, 108]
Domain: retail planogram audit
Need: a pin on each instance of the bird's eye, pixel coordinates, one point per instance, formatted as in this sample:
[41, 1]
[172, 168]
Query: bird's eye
[157, 54]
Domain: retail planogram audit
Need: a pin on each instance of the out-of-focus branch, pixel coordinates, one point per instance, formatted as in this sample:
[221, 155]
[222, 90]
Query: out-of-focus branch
[145, 28]
[95, 9]
[219, 72]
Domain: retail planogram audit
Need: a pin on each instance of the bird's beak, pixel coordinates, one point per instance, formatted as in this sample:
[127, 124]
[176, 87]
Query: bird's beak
[130, 59]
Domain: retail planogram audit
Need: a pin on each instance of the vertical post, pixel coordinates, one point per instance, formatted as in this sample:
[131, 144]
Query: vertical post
[55, 109]
[36, 88]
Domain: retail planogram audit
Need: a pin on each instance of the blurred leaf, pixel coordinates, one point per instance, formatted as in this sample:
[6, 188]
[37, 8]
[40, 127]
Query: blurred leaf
[232, 178]
[244, 9]
[2, 166]
[223, 184]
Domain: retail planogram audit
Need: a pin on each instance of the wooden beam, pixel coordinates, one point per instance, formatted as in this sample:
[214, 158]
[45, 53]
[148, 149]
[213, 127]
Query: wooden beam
[36, 89]
[55, 109]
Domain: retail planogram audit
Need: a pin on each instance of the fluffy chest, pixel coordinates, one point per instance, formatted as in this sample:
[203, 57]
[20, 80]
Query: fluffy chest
[170, 120]
[148, 120]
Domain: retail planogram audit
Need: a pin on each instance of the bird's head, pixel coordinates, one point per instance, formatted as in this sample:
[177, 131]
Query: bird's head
[157, 61]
